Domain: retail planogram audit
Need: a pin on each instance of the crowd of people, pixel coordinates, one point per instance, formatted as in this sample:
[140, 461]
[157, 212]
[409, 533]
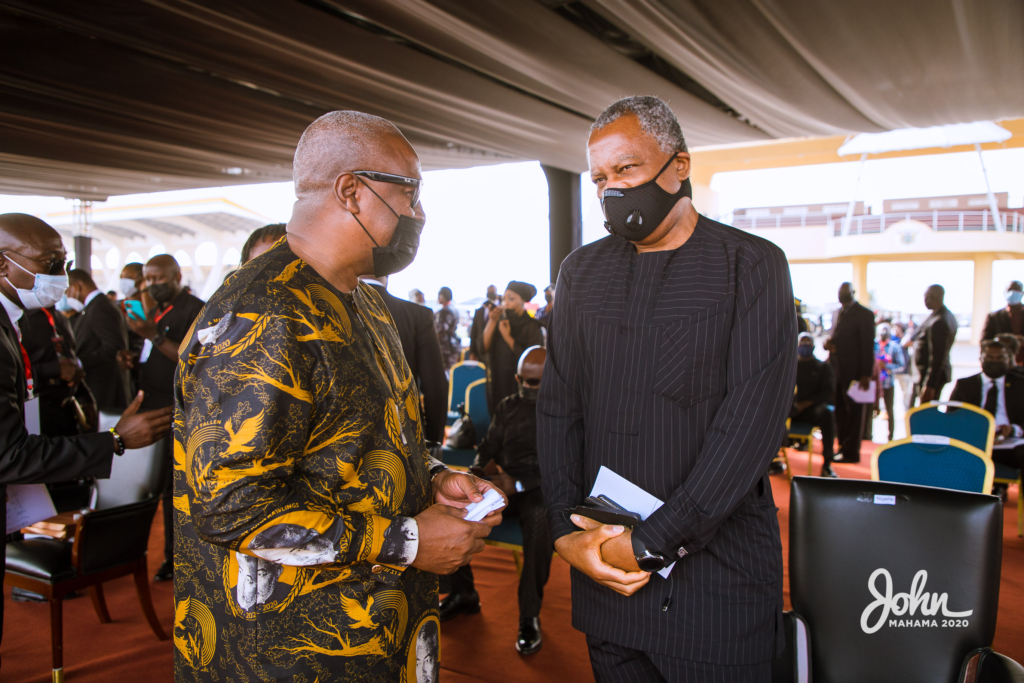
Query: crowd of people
[307, 511]
[877, 353]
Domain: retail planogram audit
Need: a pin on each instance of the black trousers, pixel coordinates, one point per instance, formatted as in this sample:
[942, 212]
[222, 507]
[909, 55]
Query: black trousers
[537, 549]
[888, 396]
[821, 417]
[849, 422]
[1014, 457]
[616, 664]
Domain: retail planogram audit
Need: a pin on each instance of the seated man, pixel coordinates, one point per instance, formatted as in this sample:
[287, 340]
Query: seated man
[1001, 393]
[1012, 344]
[815, 389]
[509, 457]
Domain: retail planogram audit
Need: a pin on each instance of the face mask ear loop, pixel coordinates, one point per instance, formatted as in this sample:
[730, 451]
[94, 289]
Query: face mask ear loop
[382, 201]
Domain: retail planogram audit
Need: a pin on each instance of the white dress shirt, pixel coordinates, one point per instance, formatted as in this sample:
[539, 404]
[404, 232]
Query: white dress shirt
[1001, 416]
[14, 312]
[90, 296]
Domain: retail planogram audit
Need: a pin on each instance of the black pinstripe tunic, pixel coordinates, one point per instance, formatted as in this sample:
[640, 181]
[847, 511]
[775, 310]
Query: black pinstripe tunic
[676, 370]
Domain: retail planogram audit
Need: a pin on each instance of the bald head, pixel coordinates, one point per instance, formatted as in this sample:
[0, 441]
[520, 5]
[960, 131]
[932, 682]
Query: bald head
[342, 141]
[17, 229]
[531, 363]
[163, 278]
[934, 297]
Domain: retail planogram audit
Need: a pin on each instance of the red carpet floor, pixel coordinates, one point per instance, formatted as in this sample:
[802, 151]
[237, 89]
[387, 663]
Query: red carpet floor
[473, 648]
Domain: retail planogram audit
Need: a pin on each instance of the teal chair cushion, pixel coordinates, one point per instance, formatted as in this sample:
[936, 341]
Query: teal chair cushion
[509, 531]
[461, 377]
[1005, 471]
[457, 457]
[941, 466]
[962, 425]
[800, 429]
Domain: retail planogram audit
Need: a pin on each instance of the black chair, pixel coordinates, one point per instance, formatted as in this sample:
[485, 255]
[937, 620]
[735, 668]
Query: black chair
[892, 582]
[108, 544]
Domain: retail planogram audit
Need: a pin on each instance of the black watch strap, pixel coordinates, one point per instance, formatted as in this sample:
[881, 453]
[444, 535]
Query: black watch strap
[645, 559]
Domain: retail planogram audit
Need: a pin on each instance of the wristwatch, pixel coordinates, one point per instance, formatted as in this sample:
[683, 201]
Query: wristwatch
[645, 559]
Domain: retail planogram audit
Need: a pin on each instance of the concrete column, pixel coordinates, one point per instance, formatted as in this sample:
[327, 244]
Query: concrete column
[860, 279]
[982, 293]
[565, 215]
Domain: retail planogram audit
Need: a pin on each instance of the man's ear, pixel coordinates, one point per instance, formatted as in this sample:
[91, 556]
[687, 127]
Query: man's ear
[683, 165]
[346, 188]
[3, 265]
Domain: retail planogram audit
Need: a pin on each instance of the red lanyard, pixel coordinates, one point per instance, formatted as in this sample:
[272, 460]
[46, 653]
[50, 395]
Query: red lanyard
[160, 316]
[28, 368]
[49, 316]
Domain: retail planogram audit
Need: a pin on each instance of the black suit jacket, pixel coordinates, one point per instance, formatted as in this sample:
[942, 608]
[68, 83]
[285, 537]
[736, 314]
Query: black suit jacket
[100, 332]
[932, 342]
[29, 459]
[968, 390]
[422, 351]
[998, 322]
[854, 337]
[675, 370]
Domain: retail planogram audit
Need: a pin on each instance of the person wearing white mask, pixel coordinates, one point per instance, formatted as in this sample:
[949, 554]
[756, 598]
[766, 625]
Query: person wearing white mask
[100, 334]
[32, 274]
[1008, 320]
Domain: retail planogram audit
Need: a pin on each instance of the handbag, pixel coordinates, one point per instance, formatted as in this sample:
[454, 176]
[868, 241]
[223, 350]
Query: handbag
[462, 434]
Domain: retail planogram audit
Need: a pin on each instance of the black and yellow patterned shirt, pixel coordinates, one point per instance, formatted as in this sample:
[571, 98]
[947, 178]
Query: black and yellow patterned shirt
[299, 462]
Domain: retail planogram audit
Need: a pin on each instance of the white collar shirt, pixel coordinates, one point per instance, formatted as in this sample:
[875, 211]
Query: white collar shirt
[14, 312]
[90, 296]
[1001, 416]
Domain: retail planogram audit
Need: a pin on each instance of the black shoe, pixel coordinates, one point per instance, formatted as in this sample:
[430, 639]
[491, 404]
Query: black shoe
[165, 573]
[22, 595]
[529, 640]
[455, 604]
[1001, 490]
[777, 467]
[827, 471]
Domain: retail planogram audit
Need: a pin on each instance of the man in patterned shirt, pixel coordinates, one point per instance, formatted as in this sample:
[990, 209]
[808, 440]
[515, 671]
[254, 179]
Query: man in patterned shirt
[446, 324]
[311, 521]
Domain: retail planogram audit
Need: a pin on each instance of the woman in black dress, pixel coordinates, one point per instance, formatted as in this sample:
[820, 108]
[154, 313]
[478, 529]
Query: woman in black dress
[509, 332]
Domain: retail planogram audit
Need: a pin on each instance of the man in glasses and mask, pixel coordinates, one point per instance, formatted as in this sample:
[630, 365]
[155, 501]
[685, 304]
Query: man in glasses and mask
[31, 278]
[671, 361]
[161, 332]
[508, 457]
[1009, 319]
[298, 420]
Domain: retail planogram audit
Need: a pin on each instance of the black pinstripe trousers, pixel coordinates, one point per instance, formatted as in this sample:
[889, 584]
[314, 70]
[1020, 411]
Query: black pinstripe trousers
[616, 664]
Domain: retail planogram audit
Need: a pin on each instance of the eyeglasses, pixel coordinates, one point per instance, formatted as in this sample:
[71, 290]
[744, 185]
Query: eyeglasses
[54, 266]
[414, 183]
[531, 383]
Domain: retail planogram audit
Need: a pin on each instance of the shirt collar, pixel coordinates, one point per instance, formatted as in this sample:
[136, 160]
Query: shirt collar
[371, 281]
[987, 381]
[92, 295]
[14, 312]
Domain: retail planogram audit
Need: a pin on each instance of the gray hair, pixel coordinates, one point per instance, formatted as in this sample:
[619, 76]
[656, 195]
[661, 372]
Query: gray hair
[656, 119]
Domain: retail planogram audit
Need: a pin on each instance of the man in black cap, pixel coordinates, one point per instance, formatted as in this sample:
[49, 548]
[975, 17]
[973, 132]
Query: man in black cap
[510, 330]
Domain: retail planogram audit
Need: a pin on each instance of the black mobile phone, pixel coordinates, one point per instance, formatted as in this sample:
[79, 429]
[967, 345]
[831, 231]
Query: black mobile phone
[604, 515]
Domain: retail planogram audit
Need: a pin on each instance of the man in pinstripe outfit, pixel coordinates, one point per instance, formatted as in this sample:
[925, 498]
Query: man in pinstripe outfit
[672, 361]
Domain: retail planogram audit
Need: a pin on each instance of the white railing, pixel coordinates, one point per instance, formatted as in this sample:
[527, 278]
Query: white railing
[869, 224]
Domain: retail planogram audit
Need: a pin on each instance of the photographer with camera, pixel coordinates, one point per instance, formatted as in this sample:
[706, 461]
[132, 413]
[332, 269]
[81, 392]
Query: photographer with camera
[509, 332]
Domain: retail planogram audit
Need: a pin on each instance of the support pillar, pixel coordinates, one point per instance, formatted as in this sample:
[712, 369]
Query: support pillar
[565, 215]
[982, 293]
[860, 279]
[82, 231]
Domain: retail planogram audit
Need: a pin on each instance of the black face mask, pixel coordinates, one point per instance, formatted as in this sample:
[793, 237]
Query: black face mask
[995, 368]
[401, 250]
[162, 292]
[633, 213]
[528, 393]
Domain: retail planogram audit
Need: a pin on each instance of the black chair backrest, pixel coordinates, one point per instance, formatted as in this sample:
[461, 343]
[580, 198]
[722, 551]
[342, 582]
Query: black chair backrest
[116, 536]
[896, 582]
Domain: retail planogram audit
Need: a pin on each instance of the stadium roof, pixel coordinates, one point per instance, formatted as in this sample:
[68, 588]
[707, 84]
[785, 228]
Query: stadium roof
[113, 97]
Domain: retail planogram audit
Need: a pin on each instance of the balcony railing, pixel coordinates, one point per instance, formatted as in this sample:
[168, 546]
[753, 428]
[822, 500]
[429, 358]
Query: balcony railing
[940, 221]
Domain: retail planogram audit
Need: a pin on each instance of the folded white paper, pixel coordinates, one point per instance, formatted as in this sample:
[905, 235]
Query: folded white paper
[26, 505]
[862, 395]
[630, 496]
[492, 501]
[1008, 443]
